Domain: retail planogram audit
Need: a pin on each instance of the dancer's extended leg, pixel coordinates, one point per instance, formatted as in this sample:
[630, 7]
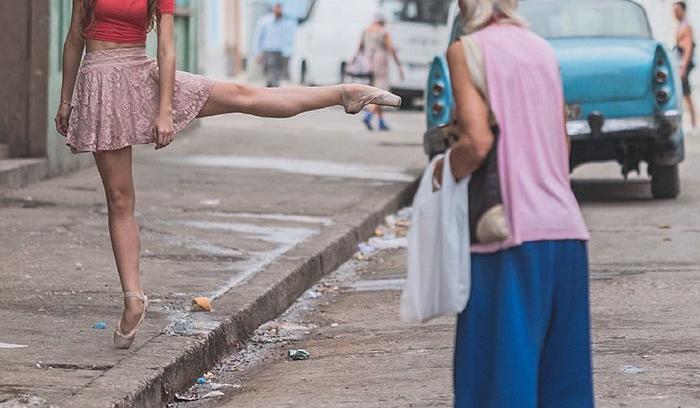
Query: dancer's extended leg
[286, 102]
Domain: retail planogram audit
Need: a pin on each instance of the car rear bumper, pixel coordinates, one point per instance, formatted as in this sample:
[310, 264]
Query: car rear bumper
[661, 126]
[657, 139]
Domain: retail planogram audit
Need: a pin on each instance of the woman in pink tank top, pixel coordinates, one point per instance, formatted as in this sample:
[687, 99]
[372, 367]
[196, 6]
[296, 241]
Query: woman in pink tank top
[524, 339]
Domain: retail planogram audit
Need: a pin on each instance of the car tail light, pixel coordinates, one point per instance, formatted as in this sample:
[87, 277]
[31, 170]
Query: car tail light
[438, 89]
[661, 76]
[662, 81]
[438, 108]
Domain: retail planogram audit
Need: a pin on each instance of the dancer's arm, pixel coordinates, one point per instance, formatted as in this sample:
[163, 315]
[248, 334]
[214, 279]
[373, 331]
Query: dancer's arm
[72, 55]
[164, 127]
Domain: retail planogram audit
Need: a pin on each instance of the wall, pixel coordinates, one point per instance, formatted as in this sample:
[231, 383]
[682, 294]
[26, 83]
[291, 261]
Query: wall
[61, 160]
[24, 73]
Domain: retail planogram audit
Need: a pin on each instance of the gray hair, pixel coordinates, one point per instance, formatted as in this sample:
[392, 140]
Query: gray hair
[477, 14]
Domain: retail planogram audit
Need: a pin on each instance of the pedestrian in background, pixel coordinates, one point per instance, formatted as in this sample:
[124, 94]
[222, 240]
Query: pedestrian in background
[524, 339]
[685, 45]
[377, 46]
[116, 97]
[273, 44]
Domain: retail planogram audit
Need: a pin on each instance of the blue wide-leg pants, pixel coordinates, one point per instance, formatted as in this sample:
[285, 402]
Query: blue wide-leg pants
[524, 339]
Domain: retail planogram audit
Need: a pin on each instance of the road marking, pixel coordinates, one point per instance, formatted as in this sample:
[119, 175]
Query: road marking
[298, 166]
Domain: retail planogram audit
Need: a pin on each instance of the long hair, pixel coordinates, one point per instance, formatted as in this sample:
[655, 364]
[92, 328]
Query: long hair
[477, 14]
[88, 17]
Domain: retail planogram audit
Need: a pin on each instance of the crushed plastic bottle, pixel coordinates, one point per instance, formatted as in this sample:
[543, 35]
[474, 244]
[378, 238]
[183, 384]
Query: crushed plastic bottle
[298, 355]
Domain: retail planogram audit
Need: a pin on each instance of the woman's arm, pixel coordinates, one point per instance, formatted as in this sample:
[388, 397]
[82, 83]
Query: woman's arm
[390, 47]
[471, 116]
[164, 127]
[361, 46]
[73, 48]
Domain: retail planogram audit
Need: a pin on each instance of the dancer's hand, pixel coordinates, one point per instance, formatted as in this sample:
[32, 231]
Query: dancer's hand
[63, 118]
[165, 130]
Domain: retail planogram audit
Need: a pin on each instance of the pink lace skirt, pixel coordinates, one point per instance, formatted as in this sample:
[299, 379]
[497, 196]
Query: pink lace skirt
[117, 96]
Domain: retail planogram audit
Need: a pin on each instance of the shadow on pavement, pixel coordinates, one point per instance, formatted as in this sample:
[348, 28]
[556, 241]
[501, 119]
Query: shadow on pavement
[608, 190]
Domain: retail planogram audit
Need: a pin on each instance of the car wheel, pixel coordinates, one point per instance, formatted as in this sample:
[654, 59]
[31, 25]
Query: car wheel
[343, 72]
[665, 182]
[304, 73]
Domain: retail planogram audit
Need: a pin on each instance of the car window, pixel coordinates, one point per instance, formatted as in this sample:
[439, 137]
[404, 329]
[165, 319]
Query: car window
[591, 18]
[417, 11]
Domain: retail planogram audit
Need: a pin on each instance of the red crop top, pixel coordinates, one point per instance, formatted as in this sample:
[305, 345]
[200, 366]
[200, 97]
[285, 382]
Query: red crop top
[123, 21]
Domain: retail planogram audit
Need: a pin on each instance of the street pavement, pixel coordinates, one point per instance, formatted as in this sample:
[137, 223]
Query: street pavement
[645, 301]
[229, 211]
[239, 194]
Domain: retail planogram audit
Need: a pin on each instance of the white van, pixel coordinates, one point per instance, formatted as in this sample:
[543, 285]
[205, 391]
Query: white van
[329, 35]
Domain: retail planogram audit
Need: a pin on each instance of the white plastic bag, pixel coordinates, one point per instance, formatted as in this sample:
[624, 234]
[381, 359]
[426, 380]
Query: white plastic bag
[360, 65]
[439, 256]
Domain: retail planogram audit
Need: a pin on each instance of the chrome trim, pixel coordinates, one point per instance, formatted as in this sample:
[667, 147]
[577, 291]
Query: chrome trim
[674, 118]
[581, 127]
[672, 114]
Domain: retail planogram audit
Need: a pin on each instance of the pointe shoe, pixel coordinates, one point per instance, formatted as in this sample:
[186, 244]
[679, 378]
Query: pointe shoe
[373, 96]
[125, 340]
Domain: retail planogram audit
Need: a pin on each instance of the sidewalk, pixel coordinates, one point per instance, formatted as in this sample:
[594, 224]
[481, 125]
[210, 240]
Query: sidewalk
[247, 211]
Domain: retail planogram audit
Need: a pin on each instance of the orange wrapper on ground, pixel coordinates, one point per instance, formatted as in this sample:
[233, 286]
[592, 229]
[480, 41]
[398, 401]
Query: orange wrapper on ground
[201, 304]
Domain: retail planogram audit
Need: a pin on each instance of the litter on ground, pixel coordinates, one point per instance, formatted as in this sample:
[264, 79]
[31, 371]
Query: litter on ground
[201, 304]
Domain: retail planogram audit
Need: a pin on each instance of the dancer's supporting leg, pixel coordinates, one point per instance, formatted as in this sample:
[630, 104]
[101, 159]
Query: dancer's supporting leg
[116, 173]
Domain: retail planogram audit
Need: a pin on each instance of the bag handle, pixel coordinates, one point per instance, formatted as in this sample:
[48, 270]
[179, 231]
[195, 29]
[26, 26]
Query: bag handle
[448, 179]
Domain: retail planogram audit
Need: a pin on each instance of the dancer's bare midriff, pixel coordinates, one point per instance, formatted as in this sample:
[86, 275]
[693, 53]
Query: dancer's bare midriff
[97, 45]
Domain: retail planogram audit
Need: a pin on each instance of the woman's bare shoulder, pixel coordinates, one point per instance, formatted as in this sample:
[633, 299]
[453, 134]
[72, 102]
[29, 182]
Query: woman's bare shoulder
[455, 53]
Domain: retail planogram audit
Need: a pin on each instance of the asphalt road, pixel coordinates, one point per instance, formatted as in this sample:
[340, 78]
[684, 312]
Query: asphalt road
[645, 300]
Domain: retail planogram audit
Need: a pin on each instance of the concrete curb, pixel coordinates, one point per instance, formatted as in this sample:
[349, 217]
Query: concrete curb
[18, 173]
[145, 378]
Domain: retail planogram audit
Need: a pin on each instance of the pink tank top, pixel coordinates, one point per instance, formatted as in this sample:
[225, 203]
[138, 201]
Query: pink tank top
[527, 99]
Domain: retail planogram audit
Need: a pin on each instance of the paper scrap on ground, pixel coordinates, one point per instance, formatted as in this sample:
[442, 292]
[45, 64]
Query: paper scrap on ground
[201, 304]
[12, 346]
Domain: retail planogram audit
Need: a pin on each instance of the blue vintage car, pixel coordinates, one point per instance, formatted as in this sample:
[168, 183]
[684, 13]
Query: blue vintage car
[621, 88]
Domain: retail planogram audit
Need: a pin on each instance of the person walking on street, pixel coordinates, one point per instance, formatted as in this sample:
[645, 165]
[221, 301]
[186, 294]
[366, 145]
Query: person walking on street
[377, 45]
[524, 339]
[118, 97]
[686, 52]
[273, 44]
